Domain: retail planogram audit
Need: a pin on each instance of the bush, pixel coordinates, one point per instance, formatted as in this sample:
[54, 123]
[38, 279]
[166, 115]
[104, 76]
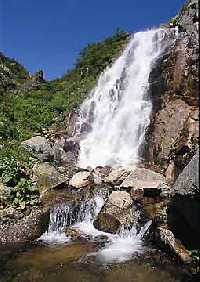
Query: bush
[15, 164]
[24, 194]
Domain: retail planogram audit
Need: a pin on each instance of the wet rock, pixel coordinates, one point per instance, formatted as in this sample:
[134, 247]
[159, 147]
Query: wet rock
[46, 177]
[116, 212]
[26, 229]
[76, 235]
[81, 179]
[167, 240]
[39, 146]
[137, 193]
[107, 222]
[116, 176]
[100, 173]
[156, 210]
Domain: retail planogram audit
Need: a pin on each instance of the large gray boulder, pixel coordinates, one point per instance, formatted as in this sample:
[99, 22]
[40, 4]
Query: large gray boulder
[187, 183]
[184, 208]
[146, 180]
[47, 177]
[165, 238]
[39, 146]
[116, 212]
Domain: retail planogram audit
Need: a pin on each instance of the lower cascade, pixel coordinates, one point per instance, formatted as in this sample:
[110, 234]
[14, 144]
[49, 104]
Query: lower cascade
[117, 247]
[118, 109]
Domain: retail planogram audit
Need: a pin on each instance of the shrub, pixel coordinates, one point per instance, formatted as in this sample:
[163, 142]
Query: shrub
[24, 194]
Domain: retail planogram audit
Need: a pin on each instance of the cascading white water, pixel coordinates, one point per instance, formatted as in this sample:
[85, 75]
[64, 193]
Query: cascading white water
[118, 109]
[120, 247]
[61, 216]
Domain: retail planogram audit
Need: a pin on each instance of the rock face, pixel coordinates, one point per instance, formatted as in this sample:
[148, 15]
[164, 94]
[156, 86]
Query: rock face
[187, 183]
[116, 212]
[55, 147]
[81, 179]
[172, 138]
[184, 209]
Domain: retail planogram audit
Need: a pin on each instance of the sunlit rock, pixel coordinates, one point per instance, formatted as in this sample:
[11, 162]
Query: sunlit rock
[81, 179]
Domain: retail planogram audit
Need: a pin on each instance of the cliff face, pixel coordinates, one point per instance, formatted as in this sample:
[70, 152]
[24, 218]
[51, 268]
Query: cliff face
[173, 133]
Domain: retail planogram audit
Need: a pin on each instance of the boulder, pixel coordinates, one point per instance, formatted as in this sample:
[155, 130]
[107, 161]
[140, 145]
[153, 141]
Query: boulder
[81, 179]
[187, 183]
[100, 173]
[184, 207]
[116, 212]
[116, 176]
[76, 235]
[120, 199]
[107, 222]
[145, 180]
[165, 238]
[26, 229]
[46, 177]
[39, 146]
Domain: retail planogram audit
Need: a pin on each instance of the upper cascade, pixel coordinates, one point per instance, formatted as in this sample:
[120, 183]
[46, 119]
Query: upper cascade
[117, 112]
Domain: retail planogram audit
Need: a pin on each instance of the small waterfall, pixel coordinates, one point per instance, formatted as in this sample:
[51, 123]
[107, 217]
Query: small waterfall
[118, 109]
[119, 247]
[61, 216]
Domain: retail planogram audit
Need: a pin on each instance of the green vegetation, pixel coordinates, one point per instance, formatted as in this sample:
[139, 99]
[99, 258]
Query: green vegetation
[15, 166]
[24, 194]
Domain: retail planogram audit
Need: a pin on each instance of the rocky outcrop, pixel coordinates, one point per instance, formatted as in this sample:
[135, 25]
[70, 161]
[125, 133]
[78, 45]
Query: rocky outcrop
[187, 183]
[12, 74]
[184, 209]
[173, 134]
[116, 212]
[57, 147]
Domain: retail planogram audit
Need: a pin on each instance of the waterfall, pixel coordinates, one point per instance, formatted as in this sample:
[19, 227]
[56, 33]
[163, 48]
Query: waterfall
[114, 117]
[119, 247]
[118, 109]
[61, 216]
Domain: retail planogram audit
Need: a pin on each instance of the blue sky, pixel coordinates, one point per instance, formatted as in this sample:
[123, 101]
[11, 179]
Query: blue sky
[49, 34]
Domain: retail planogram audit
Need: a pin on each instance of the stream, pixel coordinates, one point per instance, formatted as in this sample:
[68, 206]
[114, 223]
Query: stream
[88, 254]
